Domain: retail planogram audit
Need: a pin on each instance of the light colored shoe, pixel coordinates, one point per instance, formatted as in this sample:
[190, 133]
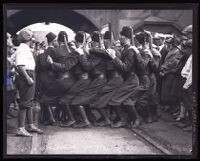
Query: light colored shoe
[68, 124]
[23, 132]
[33, 128]
[136, 124]
[119, 124]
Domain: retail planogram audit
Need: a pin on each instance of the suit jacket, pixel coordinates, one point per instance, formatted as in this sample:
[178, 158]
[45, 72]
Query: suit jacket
[164, 51]
[173, 62]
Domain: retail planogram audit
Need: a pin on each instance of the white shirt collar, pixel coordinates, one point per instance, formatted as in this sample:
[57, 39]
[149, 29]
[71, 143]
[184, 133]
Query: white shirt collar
[161, 47]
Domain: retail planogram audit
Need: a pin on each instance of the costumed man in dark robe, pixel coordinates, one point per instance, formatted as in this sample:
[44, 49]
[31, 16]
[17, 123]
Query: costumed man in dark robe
[45, 76]
[80, 71]
[96, 63]
[147, 76]
[127, 94]
[115, 79]
[62, 63]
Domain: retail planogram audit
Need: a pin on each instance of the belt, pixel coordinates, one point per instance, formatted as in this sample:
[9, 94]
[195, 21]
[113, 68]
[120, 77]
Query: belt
[132, 73]
[101, 76]
[28, 70]
[115, 74]
[65, 75]
[83, 76]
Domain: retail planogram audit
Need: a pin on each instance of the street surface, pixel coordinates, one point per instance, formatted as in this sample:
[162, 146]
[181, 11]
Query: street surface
[94, 140]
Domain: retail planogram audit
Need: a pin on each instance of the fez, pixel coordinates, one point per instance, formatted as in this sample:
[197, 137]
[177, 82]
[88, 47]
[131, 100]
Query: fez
[25, 35]
[79, 36]
[127, 32]
[108, 35]
[95, 36]
[140, 37]
[50, 37]
[61, 36]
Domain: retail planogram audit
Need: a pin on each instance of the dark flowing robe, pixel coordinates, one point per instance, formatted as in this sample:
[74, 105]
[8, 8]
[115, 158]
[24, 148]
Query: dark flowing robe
[130, 90]
[115, 79]
[62, 65]
[80, 71]
[96, 63]
[44, 73]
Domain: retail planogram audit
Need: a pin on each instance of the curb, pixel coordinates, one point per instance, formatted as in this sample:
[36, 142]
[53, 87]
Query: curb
[157, 145]
[160, 143]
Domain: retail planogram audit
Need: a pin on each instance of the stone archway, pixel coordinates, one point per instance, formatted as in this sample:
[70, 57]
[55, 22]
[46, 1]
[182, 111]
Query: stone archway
[18, 19]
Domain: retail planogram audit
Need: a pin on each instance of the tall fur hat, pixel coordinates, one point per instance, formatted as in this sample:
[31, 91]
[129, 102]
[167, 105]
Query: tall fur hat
[61, 36]
[108, 35]
[50, 37]
[79, 36]
[126, 31]
[95, 36]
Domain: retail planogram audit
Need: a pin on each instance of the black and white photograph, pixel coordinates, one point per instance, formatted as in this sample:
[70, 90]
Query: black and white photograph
[103, 81]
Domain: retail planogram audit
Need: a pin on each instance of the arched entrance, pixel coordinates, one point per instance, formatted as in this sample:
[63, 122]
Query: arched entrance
[68, 18]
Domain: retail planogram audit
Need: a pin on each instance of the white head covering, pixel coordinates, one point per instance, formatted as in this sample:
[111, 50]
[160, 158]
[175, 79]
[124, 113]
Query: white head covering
[159, 35]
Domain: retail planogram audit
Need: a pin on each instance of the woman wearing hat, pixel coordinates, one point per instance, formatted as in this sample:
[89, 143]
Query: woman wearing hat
[25, 83]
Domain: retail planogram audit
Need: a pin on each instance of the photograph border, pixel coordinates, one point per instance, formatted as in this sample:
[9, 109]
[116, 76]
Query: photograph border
[161, 6]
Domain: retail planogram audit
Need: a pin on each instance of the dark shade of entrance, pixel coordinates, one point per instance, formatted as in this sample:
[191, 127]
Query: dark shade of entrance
[68, 18]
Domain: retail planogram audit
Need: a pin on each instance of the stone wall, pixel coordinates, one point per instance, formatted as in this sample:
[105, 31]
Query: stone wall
[178, 19]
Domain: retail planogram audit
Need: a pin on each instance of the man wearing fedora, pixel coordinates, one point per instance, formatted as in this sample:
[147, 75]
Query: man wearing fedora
[25, 83]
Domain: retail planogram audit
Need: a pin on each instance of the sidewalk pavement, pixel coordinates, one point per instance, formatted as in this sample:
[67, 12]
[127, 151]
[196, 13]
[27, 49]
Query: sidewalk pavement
[166, 136]
[163, 134]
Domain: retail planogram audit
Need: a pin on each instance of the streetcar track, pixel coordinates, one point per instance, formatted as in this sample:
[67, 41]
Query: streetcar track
[151, 142]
